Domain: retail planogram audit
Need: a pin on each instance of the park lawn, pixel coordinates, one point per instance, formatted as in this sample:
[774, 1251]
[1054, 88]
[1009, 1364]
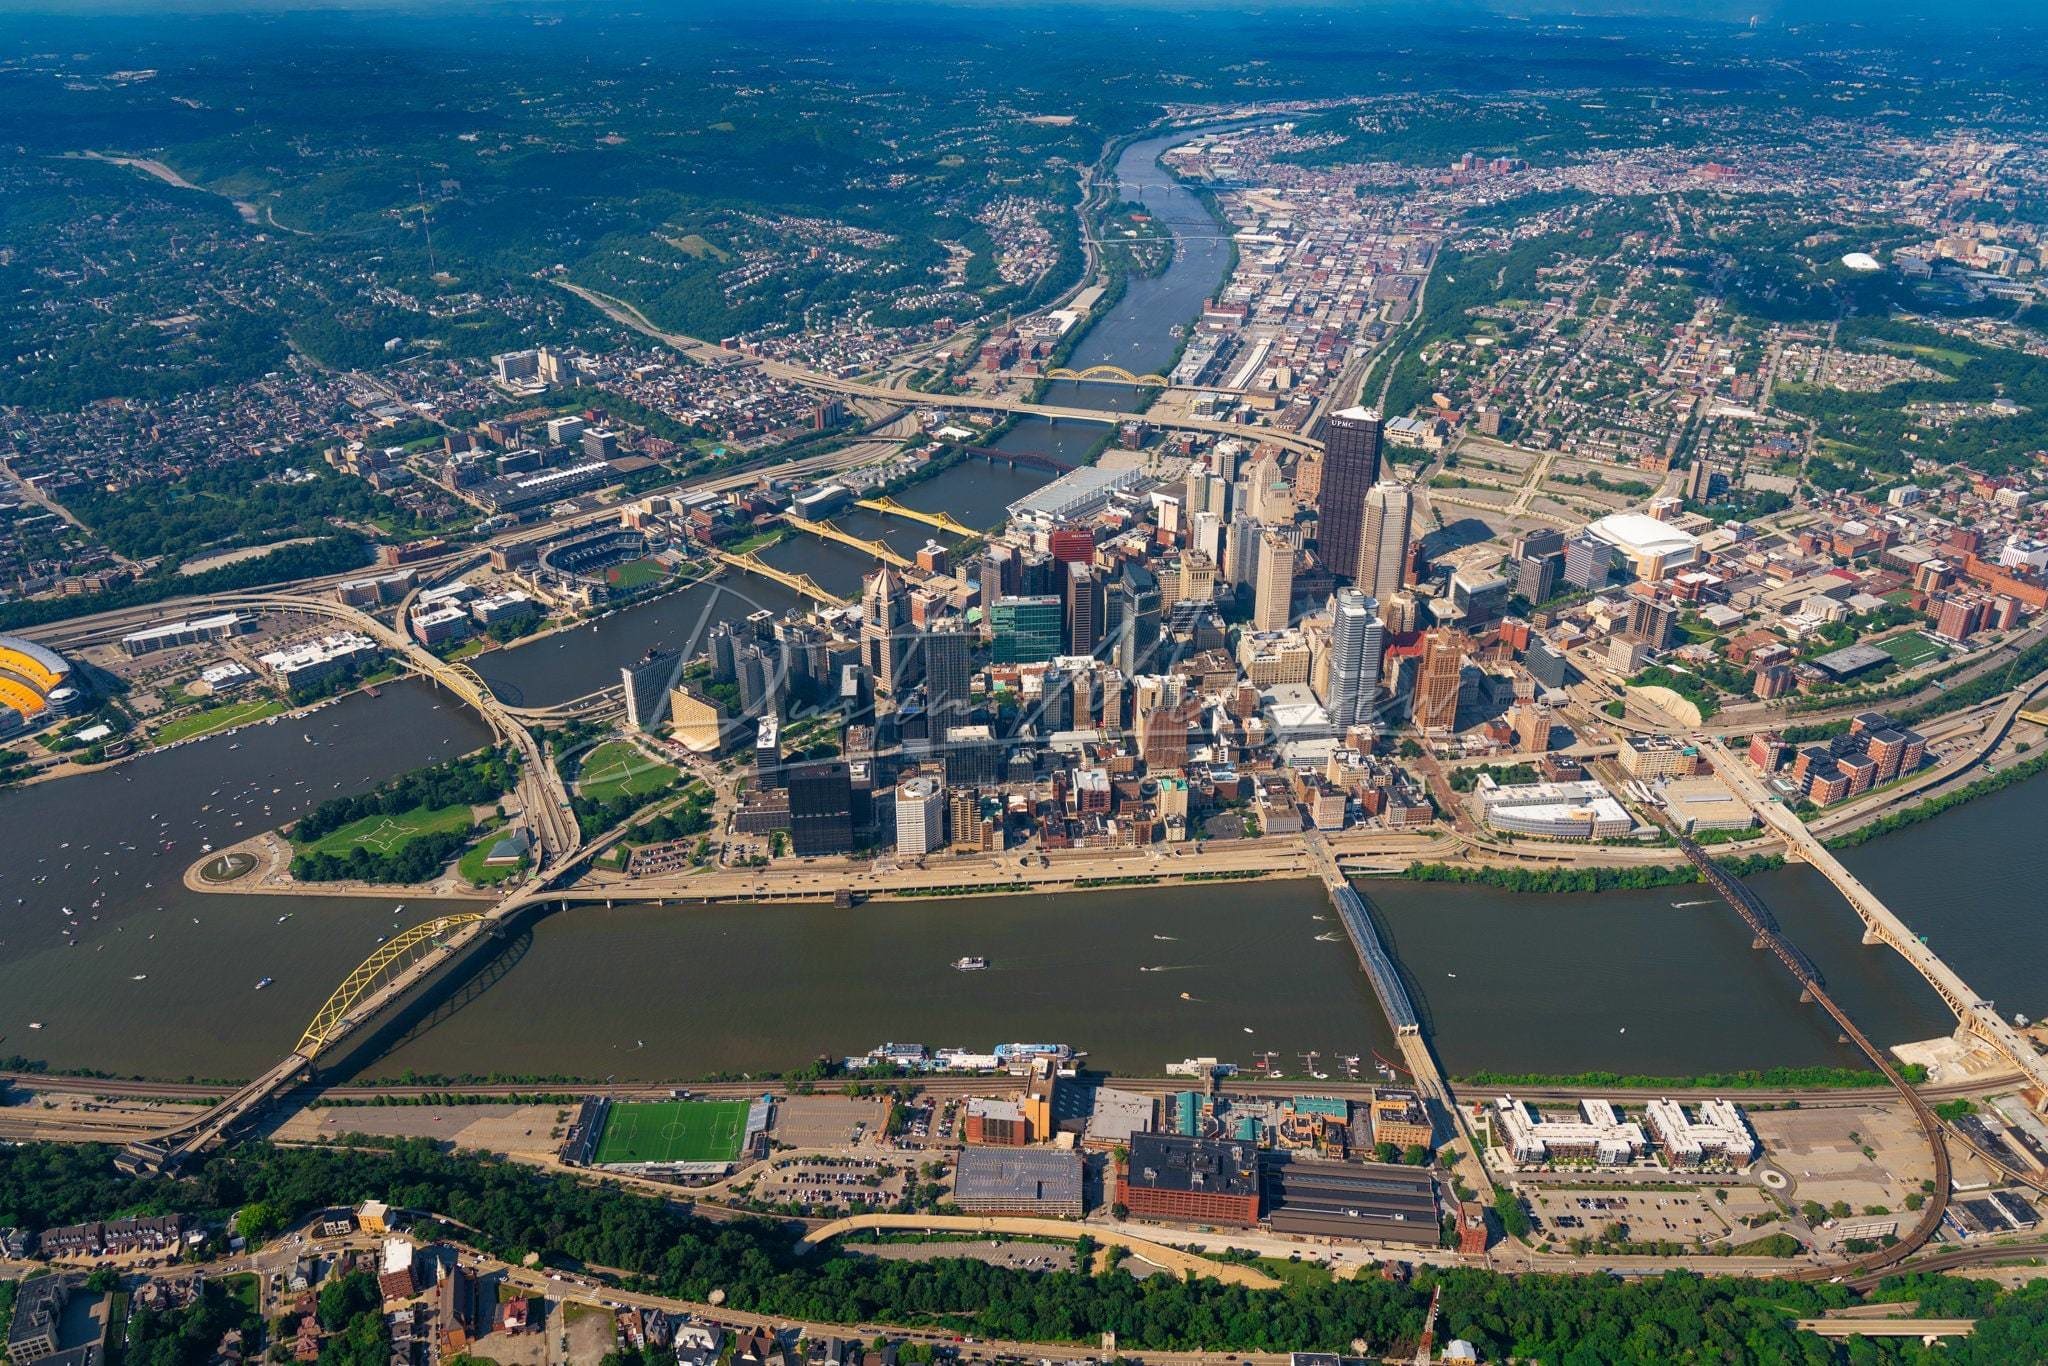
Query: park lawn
[220, 718]
[242, 1287]
[1294, 1273]
[1941, 354]
[384, 834]
[617, 769]
[673, 1131]
[472, 867]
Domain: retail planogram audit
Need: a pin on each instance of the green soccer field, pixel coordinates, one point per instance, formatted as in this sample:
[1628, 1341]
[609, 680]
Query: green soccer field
[673, 1131]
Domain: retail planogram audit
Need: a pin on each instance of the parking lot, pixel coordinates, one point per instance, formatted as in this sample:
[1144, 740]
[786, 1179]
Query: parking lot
[1675, 1216]
[826, 1121]
[831, 1183]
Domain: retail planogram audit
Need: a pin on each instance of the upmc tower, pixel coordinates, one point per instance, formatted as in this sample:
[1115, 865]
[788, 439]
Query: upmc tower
[1351, 465]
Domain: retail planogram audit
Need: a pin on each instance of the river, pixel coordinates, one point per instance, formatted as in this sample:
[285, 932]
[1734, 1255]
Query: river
[95, 844]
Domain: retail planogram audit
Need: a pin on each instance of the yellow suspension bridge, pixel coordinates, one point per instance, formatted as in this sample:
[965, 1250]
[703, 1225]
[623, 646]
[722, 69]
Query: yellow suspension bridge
[802, 583]
[889, 507]
[827, 532]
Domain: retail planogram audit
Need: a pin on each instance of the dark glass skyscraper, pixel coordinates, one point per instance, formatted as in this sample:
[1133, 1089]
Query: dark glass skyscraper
[1351, 465]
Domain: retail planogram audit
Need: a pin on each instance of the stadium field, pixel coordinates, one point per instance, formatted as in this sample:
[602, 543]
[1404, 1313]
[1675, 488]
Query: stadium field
[1912, 648]
[673, 1131]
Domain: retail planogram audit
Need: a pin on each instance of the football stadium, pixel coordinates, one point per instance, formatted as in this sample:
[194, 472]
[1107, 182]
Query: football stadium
[667, 1137]
[35, 684]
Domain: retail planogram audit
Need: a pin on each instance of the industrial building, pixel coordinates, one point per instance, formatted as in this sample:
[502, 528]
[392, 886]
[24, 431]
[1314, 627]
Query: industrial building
[1372, 1200]
[513, 493]
[1034, 1181]
[1697, 804]
[1191, 1180]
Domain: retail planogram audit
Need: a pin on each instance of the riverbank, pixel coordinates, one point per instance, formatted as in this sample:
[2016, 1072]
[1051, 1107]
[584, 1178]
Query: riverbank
[1594, 878]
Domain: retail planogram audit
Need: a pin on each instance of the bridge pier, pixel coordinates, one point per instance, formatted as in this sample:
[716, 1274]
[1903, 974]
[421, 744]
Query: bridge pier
[1758, 942]
[1806, 996]
[1871, 938]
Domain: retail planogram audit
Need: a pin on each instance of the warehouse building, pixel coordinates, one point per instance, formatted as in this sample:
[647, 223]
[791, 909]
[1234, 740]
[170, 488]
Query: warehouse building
[1351, 1200]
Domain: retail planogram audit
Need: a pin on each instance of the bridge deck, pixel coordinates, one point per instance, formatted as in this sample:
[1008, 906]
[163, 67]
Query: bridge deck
[1974, 1012]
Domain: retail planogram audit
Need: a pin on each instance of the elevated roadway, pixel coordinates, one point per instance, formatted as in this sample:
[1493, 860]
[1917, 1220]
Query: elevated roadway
[625, 314]
[1881, 925]
[542, 792]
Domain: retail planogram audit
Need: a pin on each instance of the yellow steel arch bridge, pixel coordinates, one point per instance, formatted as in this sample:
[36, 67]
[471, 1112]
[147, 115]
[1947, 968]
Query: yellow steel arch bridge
[1109, 374]
[390, 958]
[891, 508]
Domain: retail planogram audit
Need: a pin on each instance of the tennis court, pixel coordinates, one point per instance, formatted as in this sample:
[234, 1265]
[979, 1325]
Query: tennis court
[661, 1131]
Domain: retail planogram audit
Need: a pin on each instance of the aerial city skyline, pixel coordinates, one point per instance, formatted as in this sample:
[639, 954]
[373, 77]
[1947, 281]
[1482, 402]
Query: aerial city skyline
[984, 682]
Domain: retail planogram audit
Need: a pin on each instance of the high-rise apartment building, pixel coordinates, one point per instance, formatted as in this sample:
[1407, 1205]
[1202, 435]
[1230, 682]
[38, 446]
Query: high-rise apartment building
[1351, 466]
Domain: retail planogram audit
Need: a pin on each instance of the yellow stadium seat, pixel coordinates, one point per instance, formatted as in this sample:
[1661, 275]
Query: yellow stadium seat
[20, 697]
[30, 668]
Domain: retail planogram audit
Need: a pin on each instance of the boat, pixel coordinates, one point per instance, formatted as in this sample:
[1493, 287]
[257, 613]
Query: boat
[140, 977]
[970, 964]
[286, 916]
[264, 983]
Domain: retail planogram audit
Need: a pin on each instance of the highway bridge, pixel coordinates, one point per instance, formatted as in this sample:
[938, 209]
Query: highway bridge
[1927, 1330]
[542, 792]
[620, 311]
[1881, 925]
